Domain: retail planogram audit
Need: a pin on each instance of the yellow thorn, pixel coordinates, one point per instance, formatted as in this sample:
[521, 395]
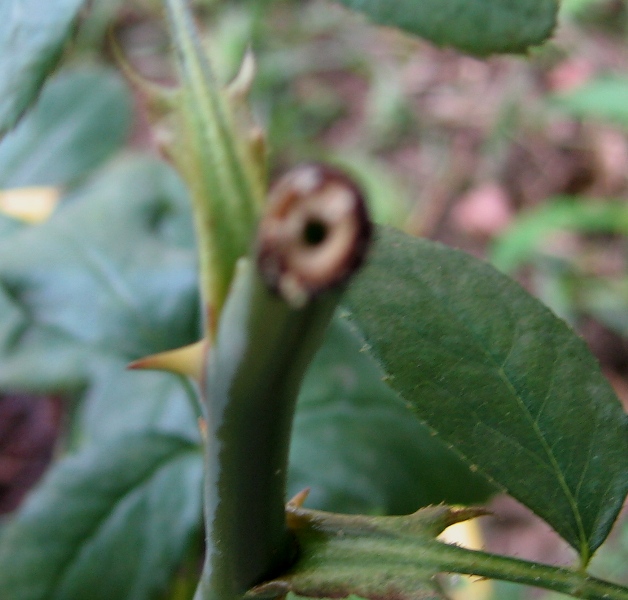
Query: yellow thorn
[298, 500]
[294, 520]
[188, 360]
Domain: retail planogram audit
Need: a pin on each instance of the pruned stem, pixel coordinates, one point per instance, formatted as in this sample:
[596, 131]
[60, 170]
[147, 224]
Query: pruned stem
[265, 342]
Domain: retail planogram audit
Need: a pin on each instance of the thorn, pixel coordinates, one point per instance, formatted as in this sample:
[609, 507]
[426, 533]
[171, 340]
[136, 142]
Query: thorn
[298, 500]
[161, 99]
[202, 427]
[188, 360]
[293, 520]
[242, 83]
[257, 144]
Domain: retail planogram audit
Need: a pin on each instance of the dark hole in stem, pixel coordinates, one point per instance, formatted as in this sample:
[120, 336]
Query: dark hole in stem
[315, 232]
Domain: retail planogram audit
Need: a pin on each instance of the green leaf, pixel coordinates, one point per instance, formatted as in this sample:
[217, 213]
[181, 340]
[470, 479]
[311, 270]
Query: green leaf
[604, 98]
[112, 522]
[521, 241]
[80, 119]
[9, 226]
[338, 449]
[111, 273]
[120, 401]
[478, 27]
[500, 378]
[109, 278]
[32, 36]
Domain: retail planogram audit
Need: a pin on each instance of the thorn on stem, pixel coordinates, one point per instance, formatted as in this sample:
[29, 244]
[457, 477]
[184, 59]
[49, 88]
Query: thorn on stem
[299, 499]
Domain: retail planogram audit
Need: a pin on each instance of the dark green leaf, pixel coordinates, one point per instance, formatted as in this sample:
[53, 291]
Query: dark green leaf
[80, 119]
[112, 522]
[500, 378]
[105, 276]
[476, 26]
[32, 36]
[338, 449]
[120, 401]
[604, 98]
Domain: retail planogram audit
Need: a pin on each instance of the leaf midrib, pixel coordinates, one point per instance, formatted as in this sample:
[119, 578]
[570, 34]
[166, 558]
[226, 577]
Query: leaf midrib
[490, 359]
[499, 367]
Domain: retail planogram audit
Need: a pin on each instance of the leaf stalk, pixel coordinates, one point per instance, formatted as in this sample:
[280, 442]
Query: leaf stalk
[574, 582]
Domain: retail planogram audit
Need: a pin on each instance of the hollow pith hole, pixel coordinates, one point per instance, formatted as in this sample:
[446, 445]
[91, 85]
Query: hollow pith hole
[315, 232]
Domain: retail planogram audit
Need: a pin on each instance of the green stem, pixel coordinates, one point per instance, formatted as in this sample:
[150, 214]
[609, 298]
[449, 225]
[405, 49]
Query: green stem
[212, 150]
[576, 583]
[272, 324]
[262, 350]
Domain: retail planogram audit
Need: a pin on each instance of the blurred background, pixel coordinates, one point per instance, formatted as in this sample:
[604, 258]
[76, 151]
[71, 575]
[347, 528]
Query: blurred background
[520, 160]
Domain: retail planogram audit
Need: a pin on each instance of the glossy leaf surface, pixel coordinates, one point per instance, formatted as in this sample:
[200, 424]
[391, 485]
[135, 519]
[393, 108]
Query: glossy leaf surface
[32, 35]
[500, 378]
[112, 522]
[478, 27]
[79, 120]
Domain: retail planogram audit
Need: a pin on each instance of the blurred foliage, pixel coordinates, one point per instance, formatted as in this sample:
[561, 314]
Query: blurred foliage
[84, 115]
[329, 87]
[521, 242]
[33, 34]
[603, 98]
